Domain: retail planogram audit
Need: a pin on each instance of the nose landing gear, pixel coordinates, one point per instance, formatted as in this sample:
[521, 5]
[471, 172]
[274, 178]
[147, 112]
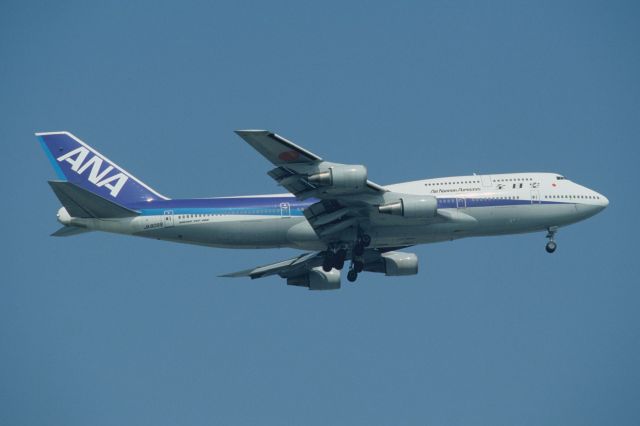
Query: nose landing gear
[551, 245]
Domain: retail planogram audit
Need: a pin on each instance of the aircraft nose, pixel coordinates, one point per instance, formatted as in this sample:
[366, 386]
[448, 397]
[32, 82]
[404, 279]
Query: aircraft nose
[602, 202]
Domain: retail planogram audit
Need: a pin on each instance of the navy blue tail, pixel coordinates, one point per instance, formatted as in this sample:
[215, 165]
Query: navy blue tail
[78, 163]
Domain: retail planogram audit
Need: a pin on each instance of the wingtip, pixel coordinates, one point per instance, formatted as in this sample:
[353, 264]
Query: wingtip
[59, 132]
[237, 274]
[248, 131]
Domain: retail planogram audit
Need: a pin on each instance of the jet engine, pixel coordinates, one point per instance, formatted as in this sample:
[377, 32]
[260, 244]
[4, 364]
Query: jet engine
[317, 279]
[412, 206]
[400, 263]
[343, 177]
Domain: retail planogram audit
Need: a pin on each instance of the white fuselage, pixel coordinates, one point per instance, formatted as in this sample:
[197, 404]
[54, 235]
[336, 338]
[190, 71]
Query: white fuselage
[481, 205]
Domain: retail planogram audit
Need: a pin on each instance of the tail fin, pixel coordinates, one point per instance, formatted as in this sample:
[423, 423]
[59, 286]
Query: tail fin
[78, 163]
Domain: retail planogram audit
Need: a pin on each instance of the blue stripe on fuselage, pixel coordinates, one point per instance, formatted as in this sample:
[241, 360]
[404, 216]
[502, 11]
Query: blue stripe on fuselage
[226, 211]
[263, 206]
[444, 203]
[272, 206]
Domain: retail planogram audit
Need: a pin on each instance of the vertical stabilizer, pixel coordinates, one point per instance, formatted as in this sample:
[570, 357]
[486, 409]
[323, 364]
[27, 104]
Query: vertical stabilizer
[78, 163]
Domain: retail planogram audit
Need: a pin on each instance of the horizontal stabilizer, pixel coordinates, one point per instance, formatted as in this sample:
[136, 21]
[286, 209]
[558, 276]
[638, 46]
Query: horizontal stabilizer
[81, 203]
[68, 231]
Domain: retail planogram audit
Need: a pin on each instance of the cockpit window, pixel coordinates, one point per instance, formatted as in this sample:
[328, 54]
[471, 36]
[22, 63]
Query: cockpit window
[560, 177]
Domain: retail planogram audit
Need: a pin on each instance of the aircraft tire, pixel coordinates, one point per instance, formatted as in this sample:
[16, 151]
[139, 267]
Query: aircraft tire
[327, 264]
[551, 247]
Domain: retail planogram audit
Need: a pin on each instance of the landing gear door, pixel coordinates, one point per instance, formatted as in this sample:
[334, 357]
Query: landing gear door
[167, 220]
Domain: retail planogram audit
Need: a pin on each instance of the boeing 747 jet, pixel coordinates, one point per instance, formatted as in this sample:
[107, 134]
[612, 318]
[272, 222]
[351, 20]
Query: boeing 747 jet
[332, 210]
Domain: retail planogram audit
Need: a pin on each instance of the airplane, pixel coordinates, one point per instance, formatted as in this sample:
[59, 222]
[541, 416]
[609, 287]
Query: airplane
[332, 210]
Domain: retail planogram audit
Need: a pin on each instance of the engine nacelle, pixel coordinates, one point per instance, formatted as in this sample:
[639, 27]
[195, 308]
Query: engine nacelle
[317, 279]
[342, 177]
[412, 206]
[400, 263]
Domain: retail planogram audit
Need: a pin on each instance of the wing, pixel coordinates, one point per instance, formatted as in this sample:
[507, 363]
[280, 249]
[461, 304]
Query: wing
[306, 271]
[277, 149]
[286, 268]
[306, 174]
[302, 271]
[348, 207]
[346, 197]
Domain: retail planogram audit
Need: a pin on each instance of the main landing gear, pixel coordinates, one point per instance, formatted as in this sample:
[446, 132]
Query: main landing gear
[357, 266]
[334, 259]
[357, 263]
[336, 256]
[551, 245]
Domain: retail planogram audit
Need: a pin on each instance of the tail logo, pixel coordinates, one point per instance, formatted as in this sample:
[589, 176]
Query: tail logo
[97, 175]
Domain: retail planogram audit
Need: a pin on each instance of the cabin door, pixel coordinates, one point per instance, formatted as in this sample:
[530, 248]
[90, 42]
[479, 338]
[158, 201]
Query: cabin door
[168, 218]
[535, 196]
[285, 210]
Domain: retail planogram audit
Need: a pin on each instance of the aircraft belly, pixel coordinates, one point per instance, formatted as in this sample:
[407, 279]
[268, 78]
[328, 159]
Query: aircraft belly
[488, 221]
[240, 232]
[296, 232]
[520, 219]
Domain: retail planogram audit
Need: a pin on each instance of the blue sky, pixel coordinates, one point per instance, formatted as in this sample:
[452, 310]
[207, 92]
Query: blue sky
[103, 329]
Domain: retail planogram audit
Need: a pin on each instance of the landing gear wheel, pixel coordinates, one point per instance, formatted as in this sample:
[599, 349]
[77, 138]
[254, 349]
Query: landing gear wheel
[551, 245]
[352, 276]
[358, 266]
[327, 264]
[366, 240]
[338, 260]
